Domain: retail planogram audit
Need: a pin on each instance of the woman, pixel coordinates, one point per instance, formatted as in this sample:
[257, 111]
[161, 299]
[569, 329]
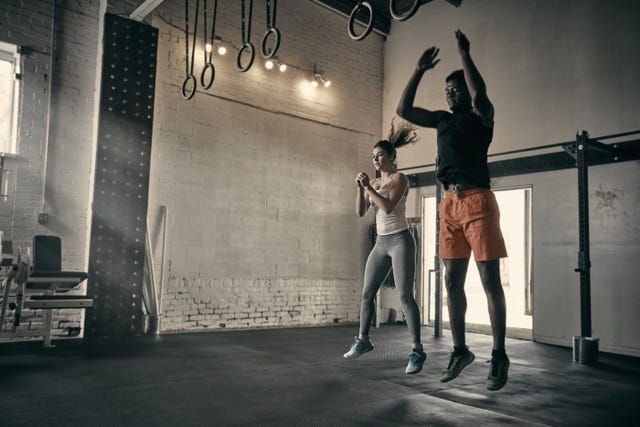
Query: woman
[395, 246]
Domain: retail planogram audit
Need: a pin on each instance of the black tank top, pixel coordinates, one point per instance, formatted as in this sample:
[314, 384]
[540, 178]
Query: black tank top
[463, 142]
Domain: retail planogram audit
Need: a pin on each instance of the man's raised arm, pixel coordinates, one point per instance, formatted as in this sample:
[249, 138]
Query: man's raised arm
[406, 108]
[475, 83]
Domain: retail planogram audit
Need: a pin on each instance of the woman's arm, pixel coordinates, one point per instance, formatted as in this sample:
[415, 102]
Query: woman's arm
[399, 186]
[362, 200]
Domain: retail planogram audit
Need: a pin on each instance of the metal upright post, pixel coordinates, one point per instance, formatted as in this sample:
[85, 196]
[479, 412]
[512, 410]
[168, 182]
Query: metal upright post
[415, 231]
[437, 329]
[585, 348]
[584, 261]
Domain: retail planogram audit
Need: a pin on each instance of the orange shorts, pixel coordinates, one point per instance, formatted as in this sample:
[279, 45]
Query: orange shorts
[471, 221]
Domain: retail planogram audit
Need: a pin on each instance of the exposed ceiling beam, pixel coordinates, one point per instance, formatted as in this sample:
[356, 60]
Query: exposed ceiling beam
[144, 9]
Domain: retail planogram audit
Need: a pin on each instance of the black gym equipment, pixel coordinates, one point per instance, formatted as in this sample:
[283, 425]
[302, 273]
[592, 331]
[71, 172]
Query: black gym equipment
[372, 22]
[41, 286]
[271, 30]
[361, 5]
[189, 79]
[208, 64]
[398, 16]
[121, 182]
[579, 153]
[246, 39]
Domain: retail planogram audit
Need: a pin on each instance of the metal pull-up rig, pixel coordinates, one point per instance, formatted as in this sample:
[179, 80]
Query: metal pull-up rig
[580, 154]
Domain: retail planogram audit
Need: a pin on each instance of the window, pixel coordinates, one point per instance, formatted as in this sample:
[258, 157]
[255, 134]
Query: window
[9, 92]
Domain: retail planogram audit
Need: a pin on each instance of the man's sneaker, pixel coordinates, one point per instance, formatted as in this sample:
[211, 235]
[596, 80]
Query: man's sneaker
[499, 373]
[457, 363]
[416, 359]
[357, 348]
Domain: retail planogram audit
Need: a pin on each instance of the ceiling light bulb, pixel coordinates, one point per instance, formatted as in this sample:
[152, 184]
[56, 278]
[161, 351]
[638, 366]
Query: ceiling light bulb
[208, 47]
[268, 64]
[282, 67]
[314, 83]
[327, 83]
[222, 50]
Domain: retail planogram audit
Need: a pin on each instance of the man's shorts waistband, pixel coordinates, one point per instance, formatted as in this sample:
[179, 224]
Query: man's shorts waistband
[456, 188]
[464, 190]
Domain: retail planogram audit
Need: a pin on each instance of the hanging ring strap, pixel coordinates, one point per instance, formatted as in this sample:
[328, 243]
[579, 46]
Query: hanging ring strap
[246, 40]
[271, 29]
[352, 20]
[186, 93]
[208, 65]
[409, 13]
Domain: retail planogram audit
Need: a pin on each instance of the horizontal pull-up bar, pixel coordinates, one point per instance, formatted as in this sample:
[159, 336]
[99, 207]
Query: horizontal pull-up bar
[504, 153]
[565, 159]
[618, 135]
[632, 146]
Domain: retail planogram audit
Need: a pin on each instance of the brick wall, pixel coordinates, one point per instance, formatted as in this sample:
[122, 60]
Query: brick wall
[73, 129]
[257, 173]
[197, 303]
[28, 26]
[52, 172]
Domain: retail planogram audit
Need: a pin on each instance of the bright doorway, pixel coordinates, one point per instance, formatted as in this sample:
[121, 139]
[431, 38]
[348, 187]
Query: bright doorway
[515, 222]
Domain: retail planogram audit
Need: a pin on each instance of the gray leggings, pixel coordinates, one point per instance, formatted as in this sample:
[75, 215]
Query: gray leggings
[398, 251]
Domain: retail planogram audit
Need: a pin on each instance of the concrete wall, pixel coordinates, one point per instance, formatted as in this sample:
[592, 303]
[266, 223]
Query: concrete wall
[552, 69]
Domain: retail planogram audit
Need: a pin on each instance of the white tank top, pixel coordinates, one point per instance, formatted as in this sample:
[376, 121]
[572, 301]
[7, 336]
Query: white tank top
[396, 220]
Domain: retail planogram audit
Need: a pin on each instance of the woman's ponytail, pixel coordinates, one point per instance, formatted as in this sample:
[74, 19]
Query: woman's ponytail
[402, 133]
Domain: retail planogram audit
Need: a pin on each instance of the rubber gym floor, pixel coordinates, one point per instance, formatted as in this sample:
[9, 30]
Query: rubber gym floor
[297, 377]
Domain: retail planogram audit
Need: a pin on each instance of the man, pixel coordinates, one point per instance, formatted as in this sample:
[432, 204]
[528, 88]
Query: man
[469, 215]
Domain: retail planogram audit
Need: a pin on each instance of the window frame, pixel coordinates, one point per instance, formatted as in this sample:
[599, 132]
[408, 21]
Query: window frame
[11, 53]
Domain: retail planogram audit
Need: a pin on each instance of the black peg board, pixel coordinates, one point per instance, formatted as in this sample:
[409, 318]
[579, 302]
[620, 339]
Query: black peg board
[117, 249]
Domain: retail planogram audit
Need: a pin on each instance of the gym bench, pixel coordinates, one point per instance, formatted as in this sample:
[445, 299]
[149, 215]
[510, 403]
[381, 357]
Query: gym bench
[43, 286]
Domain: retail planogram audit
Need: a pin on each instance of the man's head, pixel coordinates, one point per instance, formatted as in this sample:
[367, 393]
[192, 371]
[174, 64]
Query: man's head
[457, 93]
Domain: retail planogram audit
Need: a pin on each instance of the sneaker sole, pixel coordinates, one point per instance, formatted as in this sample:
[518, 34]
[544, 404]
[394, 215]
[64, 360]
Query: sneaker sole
[414, 372]
[496, 388]
[355, 356]
[461, 369]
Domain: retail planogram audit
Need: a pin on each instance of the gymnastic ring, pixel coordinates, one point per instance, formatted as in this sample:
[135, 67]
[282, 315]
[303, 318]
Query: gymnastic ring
[276, 45]
[189, 95]
[252, 52]
[207, 66]
[352, 21]
[412, 11]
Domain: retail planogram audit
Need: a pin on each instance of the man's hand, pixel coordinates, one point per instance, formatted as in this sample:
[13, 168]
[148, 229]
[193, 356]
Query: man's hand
[428, 59]
[463, 42]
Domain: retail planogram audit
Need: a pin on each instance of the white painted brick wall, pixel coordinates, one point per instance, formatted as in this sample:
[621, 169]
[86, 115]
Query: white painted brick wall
[198, 303]
[28, 24]
[64, 194]
[258, 175]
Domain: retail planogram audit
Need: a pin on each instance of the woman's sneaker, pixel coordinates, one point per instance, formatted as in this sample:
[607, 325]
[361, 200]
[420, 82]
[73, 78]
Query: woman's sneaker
[357, 348]
[416, 360]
